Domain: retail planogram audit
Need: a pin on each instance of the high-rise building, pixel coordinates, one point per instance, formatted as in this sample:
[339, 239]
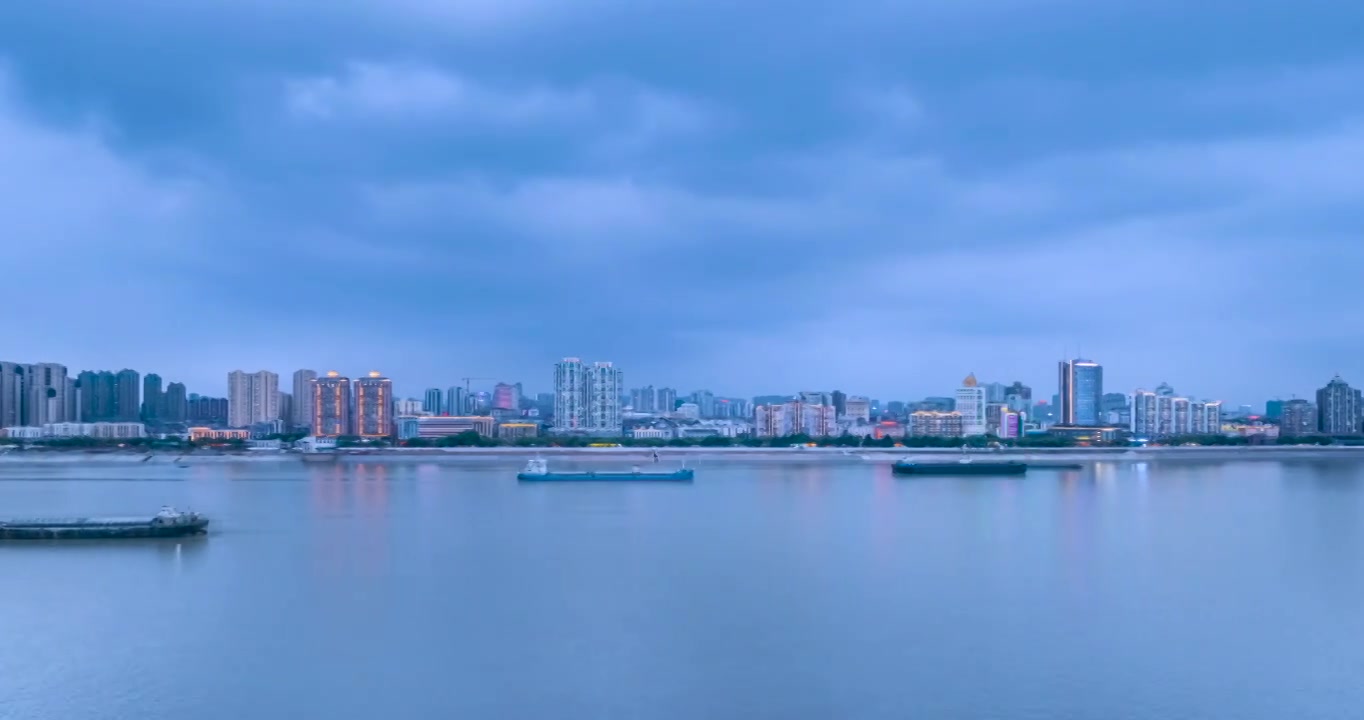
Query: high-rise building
[971, 407]
[816, 397]
[895, 408]
[128, 395]
[570, 395]
[98, 401]
[152, 400]
[1206, 418]
[208, 411]
[11, 394]
[303, 398]
[433, 401]
[856, 408]
[1144, 415]
[177, 411]
[840, 401]
[72, 410]
[1153, 415]
[604, 384]
[819, 420]
[1274, 409]
[1082, 387]
[1339, 408]
[286, 409]
[252, 398]
[44, 394]
[642, 400]
[331, 405]
[1297, 418]
[457, 401]
[666, 401]
[1018, 397]
[506, 396]
[373, 406]
[995, 392]
[705, 403]
[793, 418]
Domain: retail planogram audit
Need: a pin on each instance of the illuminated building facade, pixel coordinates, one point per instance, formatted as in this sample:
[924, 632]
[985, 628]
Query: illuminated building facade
[332, 405]
[373, 406]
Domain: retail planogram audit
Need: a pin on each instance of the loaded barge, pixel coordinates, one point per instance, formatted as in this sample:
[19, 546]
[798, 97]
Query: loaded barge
[961, 467]
[538, 471]
[167, 523]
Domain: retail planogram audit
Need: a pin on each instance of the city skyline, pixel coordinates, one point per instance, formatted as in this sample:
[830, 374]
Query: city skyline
[591, 398]
[287, 380]
[958, 135]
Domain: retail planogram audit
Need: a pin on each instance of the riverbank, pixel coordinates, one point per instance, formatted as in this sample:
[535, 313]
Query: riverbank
[689, 454]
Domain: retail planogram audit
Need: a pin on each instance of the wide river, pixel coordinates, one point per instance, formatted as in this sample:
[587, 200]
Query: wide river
[766, 589]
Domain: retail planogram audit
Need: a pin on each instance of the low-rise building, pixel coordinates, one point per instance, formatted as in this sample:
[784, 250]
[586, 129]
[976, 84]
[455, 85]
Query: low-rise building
[102, 430]
[930, 423]
[439, 427]
[316, 443]
[207, 433]
[517, 431]
[408, 427]
[24, 433]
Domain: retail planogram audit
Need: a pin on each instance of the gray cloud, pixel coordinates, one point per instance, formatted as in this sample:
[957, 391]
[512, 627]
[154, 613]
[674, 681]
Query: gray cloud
[709, 195]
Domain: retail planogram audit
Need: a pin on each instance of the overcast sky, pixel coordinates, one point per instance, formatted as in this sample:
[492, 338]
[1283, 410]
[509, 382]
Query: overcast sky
[753, 197]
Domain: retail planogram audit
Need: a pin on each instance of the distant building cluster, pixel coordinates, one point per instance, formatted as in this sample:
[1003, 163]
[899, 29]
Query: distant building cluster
[40, 401]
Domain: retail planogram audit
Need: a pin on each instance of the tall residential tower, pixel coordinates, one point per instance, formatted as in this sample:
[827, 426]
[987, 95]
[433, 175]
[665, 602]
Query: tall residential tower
[303, 398]
[373, 406]
[331, 405]
[252, 398]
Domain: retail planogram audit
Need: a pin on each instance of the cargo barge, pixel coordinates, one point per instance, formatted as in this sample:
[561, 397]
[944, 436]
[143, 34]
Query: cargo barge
[167, 523]
[961, 467]
[538, 471]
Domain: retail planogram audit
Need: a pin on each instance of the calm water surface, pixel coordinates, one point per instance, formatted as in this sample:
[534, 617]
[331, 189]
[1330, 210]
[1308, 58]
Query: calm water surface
[764, 590]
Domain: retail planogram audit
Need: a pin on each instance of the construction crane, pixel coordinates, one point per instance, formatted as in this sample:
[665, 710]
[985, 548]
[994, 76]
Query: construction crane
[468, 380]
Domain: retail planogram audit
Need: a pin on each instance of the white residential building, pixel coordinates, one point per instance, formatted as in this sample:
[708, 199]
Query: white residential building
[252, 398]
[570, 395]
[587, 398]
[971, 402]
[603, 397]
[1160, 415]
[793, 418]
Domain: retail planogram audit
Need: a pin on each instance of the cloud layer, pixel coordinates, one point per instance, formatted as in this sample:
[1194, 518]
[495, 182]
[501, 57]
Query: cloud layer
[747, 199]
